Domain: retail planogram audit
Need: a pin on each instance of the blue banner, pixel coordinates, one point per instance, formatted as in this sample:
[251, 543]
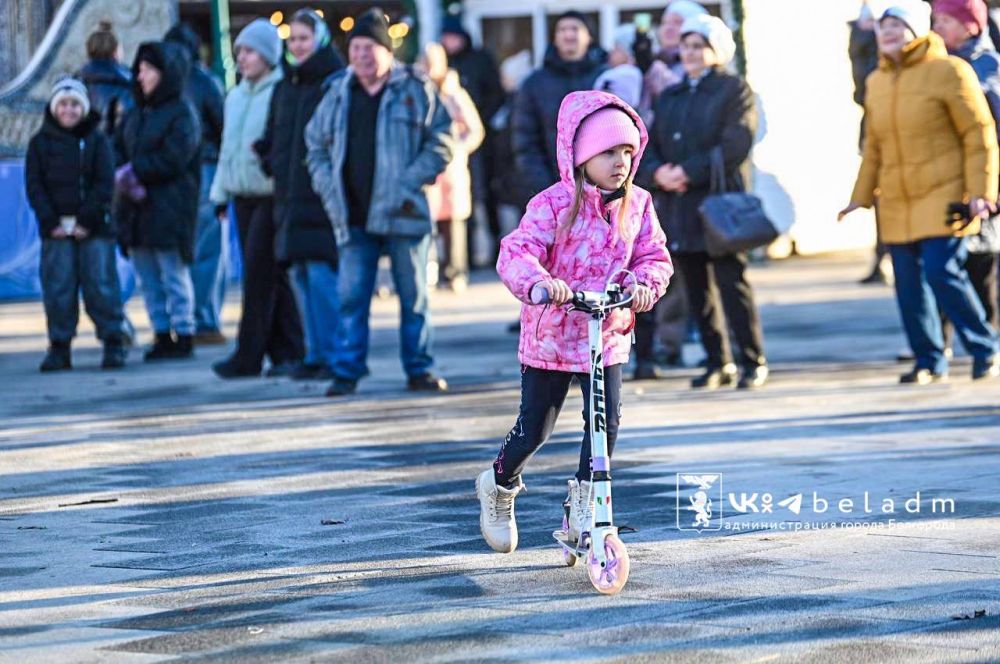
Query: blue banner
[20, 248]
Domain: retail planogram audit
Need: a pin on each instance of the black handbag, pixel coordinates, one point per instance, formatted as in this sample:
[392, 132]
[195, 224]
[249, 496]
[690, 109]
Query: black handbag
[734, 221]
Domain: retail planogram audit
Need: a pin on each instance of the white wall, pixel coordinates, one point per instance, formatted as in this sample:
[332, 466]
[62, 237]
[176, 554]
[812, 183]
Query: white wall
[807, 157]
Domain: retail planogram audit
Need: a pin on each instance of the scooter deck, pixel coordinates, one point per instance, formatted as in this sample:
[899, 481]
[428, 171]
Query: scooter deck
[562, 537]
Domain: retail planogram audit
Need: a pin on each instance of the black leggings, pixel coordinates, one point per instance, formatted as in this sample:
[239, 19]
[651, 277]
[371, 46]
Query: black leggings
[542, 395]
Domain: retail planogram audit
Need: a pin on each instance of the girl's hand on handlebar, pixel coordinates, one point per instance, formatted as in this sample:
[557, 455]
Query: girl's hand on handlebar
[559, 291]
[642, 299]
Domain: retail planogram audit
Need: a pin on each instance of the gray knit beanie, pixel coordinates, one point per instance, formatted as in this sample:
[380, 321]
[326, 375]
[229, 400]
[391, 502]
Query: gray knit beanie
[262, 37]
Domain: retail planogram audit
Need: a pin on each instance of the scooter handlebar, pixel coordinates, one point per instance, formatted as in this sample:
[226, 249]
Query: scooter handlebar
[540, 295]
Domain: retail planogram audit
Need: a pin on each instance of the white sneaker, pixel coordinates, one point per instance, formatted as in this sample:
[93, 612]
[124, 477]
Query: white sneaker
[496, 512]
[581, 509]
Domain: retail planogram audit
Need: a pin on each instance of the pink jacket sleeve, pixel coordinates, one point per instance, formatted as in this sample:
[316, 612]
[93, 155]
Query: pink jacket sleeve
[523, 252]
[650, 259]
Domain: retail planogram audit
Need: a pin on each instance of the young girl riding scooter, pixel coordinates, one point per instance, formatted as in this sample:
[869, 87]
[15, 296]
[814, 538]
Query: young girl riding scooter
[581, 233]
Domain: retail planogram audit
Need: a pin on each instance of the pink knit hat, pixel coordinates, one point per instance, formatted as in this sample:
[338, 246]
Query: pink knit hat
[971, 13]
[601, 130]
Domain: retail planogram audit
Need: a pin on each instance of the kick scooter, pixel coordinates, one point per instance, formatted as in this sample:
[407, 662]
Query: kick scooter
[600, 546]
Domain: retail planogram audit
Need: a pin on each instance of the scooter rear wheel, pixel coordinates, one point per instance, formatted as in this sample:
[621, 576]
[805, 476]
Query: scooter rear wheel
[611, 578]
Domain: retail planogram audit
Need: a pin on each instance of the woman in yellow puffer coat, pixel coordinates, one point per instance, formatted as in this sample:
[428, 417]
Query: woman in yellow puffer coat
[930, 142]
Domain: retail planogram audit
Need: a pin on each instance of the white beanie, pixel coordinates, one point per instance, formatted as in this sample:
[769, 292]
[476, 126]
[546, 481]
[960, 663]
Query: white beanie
[716, 33]
[72, 88]
[916, 14]
[262, 37]
[685, 9]
[515, 68]
[624, 36]
[623, 81]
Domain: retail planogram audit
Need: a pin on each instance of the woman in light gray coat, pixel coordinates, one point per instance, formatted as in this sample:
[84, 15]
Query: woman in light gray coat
[269, 324]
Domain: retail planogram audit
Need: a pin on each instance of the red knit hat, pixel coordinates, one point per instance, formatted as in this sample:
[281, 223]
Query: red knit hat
[601, 130]
[972, 14]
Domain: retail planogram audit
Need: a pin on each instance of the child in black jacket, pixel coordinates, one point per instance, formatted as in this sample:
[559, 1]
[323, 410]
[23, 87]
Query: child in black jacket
[70, 183]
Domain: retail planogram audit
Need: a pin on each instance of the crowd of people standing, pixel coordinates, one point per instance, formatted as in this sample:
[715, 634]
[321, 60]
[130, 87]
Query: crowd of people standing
[330, 164]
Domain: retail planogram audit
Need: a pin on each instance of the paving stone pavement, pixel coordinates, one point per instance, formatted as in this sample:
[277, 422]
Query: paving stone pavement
[161, 514]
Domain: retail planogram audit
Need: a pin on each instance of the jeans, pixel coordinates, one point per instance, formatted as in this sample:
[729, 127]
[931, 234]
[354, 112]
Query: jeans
[127, 281]
[931, 273]
[358, 267]
[208, 271]
[269, 323]
[315, 285]
[705, 278]
[542, 395]
[71, 266]
[166, 288]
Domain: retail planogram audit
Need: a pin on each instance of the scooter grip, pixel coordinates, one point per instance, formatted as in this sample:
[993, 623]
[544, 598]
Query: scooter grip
[540, 295]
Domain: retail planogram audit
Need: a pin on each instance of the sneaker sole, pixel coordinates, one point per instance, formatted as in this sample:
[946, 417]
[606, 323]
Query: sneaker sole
[482, 528]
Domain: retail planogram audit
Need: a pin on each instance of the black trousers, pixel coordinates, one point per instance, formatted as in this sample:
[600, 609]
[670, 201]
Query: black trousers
[706, 279]
[667, 321]
[982, 269]
[542, 396]
[269, 324]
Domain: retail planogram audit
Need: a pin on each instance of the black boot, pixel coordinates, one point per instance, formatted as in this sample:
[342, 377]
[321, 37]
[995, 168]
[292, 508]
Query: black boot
[986, 369]
[427, 382]
[753, 376]
[163, 348]
[114, 354]
[918, 376]
[184, 348]
[341, 387]
[232, 368]
[715, 377]
[57, 359]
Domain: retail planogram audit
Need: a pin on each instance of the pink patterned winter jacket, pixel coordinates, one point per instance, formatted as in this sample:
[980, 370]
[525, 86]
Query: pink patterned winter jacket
[585, 257]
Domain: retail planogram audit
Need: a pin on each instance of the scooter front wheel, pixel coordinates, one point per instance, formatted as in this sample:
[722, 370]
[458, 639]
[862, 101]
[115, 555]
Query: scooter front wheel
[611, 578]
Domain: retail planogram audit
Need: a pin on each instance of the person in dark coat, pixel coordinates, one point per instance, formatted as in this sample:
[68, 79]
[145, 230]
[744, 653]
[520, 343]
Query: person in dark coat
[480, 77]
[108, 82]
[963, 25]
[109, 85]
[709, 110]
[509, 188]
[208, 270]
[203, 91]
[476, 68]
[572, 63]
[863, 51]
[70, 182]
[157, 206]
[302, 235]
